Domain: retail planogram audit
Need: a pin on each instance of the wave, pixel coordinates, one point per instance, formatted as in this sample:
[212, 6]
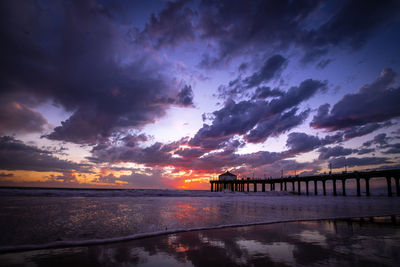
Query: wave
[67, 192]
[91, 242]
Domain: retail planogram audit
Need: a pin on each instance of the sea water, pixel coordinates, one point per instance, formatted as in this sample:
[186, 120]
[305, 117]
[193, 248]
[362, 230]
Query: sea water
[46, 218]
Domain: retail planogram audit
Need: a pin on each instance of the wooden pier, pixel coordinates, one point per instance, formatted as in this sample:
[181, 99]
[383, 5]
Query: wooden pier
[297, 181]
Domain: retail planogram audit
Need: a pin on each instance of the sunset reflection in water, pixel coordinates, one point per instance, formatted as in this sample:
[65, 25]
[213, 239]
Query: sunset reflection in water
[372, 241]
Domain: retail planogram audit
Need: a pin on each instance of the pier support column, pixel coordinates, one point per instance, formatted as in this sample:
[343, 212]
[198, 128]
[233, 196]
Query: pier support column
[285, 186]
[224, 185]
[334, 187]
[358, 187]
[343, 187]
[298, 187]
[281, 185]
[292, 186]
[389, 185]
[367, 186]
[315, 187]
[212, 187]
[307, 188]
[273, 186]
[396, 179]
[255, 187]
[263, 187]
[248, 187]
[324, 187]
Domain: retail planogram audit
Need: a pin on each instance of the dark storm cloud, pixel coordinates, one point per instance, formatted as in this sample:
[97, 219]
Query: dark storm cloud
[372, 103]
[276, 125]
[185, 96]
[271, 68]
[328, 152]
[265, 92]
[392, 149]
[355, 22]
[301, 142]
[73, 54]
[18, 118]
[128, 150]
[239, 118]
[240, 26]
[352, 161]
[364, 151]
[357, 131]
[15, 155]
[171, 26]
[297, 94]
[380, 140]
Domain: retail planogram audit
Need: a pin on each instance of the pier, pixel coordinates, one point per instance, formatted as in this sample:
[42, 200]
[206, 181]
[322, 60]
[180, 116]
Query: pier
[295, 183]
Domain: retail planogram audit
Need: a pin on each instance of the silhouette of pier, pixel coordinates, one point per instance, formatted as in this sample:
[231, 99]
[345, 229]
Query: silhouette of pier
[296, 182]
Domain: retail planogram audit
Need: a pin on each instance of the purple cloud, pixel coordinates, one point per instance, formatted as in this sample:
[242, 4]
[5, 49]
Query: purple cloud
[75, 56]
[372, 103]
[328, 152]
[18, 118]
[15, 155]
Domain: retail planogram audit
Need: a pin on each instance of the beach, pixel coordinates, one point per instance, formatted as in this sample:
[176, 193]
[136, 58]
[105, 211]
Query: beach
[58, 221]
[373, 241]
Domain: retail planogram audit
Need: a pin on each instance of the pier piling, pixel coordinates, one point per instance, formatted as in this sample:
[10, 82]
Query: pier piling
[239, 185]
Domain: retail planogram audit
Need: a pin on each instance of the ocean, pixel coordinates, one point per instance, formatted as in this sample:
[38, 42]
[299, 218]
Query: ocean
[53, 218]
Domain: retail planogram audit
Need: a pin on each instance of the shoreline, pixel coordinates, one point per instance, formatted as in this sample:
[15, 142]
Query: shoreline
[128, 238]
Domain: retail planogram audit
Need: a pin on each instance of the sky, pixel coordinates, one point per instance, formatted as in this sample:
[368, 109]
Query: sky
[169, 94]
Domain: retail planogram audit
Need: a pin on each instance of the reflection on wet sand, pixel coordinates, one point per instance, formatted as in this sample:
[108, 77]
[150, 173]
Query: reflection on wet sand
[367, 242]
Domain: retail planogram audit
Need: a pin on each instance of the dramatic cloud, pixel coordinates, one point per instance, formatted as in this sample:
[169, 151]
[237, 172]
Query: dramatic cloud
[352, 161]
[15, 155]
[301, 142]
[74, 55]
[265, 92]
[185, 96]
[106, 74]
[276, 125]
[328, 152]
[239, 118]
[375, 102]
[240, 26]
[152, 179]
[357, 131]
[393, 149]
[171, 26]
[271, 68]
[18, 118]
[380, 140]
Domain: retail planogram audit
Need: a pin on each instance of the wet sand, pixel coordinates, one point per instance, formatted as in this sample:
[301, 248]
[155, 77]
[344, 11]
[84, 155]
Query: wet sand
[356, 242]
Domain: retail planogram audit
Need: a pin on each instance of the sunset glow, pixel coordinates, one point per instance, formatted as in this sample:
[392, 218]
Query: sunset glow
[160, 94]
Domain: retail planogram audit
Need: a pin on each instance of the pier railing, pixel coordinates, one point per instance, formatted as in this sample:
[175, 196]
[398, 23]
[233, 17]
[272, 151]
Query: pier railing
[296, 181]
